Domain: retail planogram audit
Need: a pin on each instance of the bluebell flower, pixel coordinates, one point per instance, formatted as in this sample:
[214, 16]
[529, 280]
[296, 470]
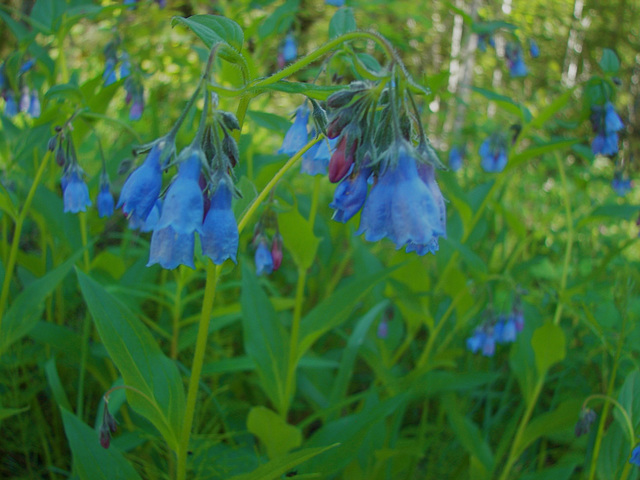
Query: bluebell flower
[456, 155]
[621, 185]
[517, 68]
[135, 113]
[482, 42]
[297, 136]
[482, 341]
[26, 66]
[315, 161]
[125, 66]
[75, 192]
[307, 164]
[635, 456]
[289, 49]
[220, 231]
[606, 123]
[170, 248]
[335, 3]
[105, 201]
[135, 223]
[141, 190]
[402, 207]
[534, 50]
[10, 107]
[183, 207]
[350, 195]
[493, 154]
[504, 331]
[109, 75]
[34, 105]
[25, 100]
[263, 259]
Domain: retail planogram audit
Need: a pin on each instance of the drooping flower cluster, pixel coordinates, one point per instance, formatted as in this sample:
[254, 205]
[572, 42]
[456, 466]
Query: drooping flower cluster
[133, 83]
[502, 330]
[515, 62]
[108, 427]
[267, 259]
[374, 129]
[606, 124]
[198, 200]
[29, 102]
[485, 39]
[493, 153]
[315, 161]
[621, 184]
[587, 417]
[456, 157]
[534, 50]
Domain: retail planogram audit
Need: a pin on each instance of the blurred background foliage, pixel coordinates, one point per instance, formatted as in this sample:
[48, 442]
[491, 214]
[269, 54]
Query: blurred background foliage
[406, 402]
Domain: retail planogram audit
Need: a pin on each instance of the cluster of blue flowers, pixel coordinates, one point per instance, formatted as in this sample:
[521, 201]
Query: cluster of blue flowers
[620, 184]
[267, 259]
[29, 102]
[515, 61]
[404, 203]
[456, 157]
[493, 153]
[502, 330]
[198, 199]
[75, 193]
[315, 161]
[132, 85]
[606, 124]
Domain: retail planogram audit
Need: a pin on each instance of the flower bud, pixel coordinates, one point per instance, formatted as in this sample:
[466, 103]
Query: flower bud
[338, 122]
[319, 117]
[341, 160]
[60, 156]
[230, 148]
[51, 146]
[105, 436]
[276, 251]
[587, 417]
[230, 120]
[341, 98]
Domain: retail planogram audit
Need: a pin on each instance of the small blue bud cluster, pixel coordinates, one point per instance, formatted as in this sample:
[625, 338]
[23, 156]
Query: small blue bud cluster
[198, 199]
[133, 83]
[502, 330]
[606, 124]
[315, 161]
[493, 153]
[621, 184]
[583, 426]
[267, 259]
[29, 102]
[515, 62]
[374, 126]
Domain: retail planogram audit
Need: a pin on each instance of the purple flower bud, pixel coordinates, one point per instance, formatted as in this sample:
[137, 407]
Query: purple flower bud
[276, 251]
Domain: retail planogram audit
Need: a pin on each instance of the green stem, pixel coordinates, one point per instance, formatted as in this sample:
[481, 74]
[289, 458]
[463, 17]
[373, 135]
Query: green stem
[213, 272]
[556, 320]
[13, 253]
[621, 409]
[61, 61]
[86, 325]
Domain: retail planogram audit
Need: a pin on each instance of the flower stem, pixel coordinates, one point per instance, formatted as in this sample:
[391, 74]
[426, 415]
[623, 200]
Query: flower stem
[86, 323]
[13, 252]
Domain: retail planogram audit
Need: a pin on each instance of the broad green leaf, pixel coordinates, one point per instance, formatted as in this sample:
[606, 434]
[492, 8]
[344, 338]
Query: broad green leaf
[298, 237]
[468, 434]
[19, 30]
[269, 120]
[10, 412]
[214, 29]
[350, 353]
[280, 466]
[25, 311]
[53, 379]
[550, 423]
[91, 461]
[342, 22]
[539, 150]
[438, 382]
[548, 344]
[318, 92]
[629, 398]
[280, 20]
[505, 103]
[553, 108]
[276, 434]
[610, 212]
[67, 91]
[609, 61]
[265, 339]
[492, 26]
[559, 472]
[139, 359]
[472, 259]
[334, 310]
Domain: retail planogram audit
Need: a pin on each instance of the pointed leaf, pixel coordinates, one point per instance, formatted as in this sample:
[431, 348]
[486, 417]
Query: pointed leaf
[548, 345]
[214, 29]
[277, 435]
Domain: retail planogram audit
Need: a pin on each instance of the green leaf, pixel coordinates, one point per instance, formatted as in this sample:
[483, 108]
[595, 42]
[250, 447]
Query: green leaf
[279, 466]
[472, 259]
[333, 311]
[609, 61]
[629, 398]
[468, 434]
[212, 29]
[298, 237]
[539, 150]
[90, 460]
[318, 92]
[610, 212]
[51, 371]
[269, 121]
[506, 103]
[277, 435]
[10, 412]
[553, 108]
[548, 344]
[550, 423]
[280, 20]
[265, 339]
[342, 22]
[25, 311]
[67, 91]
[139, 359]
